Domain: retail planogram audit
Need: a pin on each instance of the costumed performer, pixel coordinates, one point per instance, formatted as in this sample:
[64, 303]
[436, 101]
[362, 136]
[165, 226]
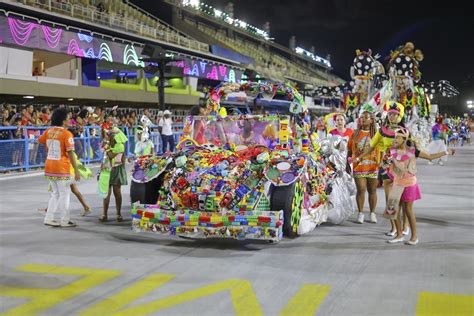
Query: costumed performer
[405, 189]
[365, 171]
[113, 174]
[383, 141]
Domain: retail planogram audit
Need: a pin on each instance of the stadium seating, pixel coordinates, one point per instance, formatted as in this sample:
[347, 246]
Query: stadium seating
[118, 14]
[273, 66]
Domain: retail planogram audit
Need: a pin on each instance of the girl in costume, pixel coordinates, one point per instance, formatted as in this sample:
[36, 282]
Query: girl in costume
[404, 188]
[113, 174]
[365, 171]
[438, 142]
[383, 141]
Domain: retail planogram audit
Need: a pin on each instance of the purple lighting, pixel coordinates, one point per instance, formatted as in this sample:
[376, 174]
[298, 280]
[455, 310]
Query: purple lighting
[51, 35]
[21, 30]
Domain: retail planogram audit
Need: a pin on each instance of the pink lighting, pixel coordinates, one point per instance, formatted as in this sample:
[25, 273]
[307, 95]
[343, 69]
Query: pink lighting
[21, 30]
[74, 49]
[51, 35]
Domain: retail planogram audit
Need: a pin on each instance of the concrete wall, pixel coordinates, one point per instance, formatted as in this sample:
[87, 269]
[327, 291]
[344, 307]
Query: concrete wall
[43, 89]
[15, 61]
[57, 65]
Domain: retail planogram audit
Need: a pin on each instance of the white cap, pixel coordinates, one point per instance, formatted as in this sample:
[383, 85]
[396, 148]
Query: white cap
[160, 113]
[167, 112]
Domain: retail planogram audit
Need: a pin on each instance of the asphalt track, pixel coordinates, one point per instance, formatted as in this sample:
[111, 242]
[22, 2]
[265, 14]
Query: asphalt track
[349, 269]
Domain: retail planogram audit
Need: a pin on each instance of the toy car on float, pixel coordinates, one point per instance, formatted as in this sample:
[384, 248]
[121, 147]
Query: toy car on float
[242, 177]
[255, 186]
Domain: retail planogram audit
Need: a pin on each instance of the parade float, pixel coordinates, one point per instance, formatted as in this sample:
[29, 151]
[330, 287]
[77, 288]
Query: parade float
[399, 81]
[243, 176]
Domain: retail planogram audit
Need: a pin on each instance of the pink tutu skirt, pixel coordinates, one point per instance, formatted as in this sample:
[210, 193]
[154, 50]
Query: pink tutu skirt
[411, 193]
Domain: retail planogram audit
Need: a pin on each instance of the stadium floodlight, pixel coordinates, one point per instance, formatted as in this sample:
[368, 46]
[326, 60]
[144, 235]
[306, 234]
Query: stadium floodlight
[470, 104]
[28, 97]
[217, 13]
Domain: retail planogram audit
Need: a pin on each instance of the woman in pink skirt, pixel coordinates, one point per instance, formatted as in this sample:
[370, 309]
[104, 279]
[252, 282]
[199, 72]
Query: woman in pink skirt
[405, 190]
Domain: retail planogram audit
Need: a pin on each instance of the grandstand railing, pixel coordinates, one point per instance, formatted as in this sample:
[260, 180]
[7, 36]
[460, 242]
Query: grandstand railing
[89, 13]
[21, 150]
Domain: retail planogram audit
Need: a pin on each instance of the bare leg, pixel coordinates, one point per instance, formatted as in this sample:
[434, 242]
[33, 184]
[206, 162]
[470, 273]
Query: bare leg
[372, 189]
[405, 220]
[118, 199]
[387, 183]
[398, 225]
[361, 184]
[408, 210]
[106, 203]
[80, 197]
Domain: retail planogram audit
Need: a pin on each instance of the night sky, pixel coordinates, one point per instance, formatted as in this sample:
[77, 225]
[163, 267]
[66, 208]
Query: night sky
[443, 31]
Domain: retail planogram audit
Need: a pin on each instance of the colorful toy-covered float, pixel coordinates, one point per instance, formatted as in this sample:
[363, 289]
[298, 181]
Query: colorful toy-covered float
[243, 177]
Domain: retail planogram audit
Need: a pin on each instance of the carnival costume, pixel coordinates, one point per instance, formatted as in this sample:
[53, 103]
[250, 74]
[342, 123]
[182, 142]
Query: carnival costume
[402, 170]
[113, 170]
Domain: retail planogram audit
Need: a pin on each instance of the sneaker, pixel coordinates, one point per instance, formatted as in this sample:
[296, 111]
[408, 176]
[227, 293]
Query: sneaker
[396, 240]
[391, 233]
[42, 210]
[440, 163]
[412, 242]
[68, 224]
[373, 218]
[430, 163]
[360, 218]
[85, 212]
[406, 232]
[52, 222]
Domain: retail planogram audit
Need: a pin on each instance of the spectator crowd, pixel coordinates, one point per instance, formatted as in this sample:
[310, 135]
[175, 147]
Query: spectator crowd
[19, 121]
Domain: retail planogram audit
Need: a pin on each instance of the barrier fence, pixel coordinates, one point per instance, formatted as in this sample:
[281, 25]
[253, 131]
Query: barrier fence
[20, 150]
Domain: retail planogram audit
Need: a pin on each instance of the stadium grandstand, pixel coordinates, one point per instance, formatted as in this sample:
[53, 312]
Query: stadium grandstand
[89, 52]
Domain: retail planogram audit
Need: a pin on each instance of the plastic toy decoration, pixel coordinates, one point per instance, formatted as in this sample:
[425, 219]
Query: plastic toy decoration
[268, 178]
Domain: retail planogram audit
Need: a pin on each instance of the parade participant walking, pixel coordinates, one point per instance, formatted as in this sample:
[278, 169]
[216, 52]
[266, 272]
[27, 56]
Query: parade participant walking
[113, 174]
[365, 171]
[60, 157]
[405, 190]
[383, 141]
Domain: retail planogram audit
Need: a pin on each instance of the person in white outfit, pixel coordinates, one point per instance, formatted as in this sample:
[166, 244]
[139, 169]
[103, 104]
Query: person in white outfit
[166, 130]
[60, 157]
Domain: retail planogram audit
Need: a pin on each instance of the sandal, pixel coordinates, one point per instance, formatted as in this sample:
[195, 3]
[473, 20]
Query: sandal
[119, 218]
[86, 211]
[103, 218]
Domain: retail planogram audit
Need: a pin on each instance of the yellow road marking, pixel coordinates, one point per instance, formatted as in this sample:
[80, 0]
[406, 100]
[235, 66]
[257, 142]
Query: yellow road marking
[117, 301]
[43, 299]
[306, 301]
[243, 297]
[440, 304]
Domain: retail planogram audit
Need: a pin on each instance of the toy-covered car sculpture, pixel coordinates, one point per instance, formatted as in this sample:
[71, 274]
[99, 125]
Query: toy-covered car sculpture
[243, 177]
